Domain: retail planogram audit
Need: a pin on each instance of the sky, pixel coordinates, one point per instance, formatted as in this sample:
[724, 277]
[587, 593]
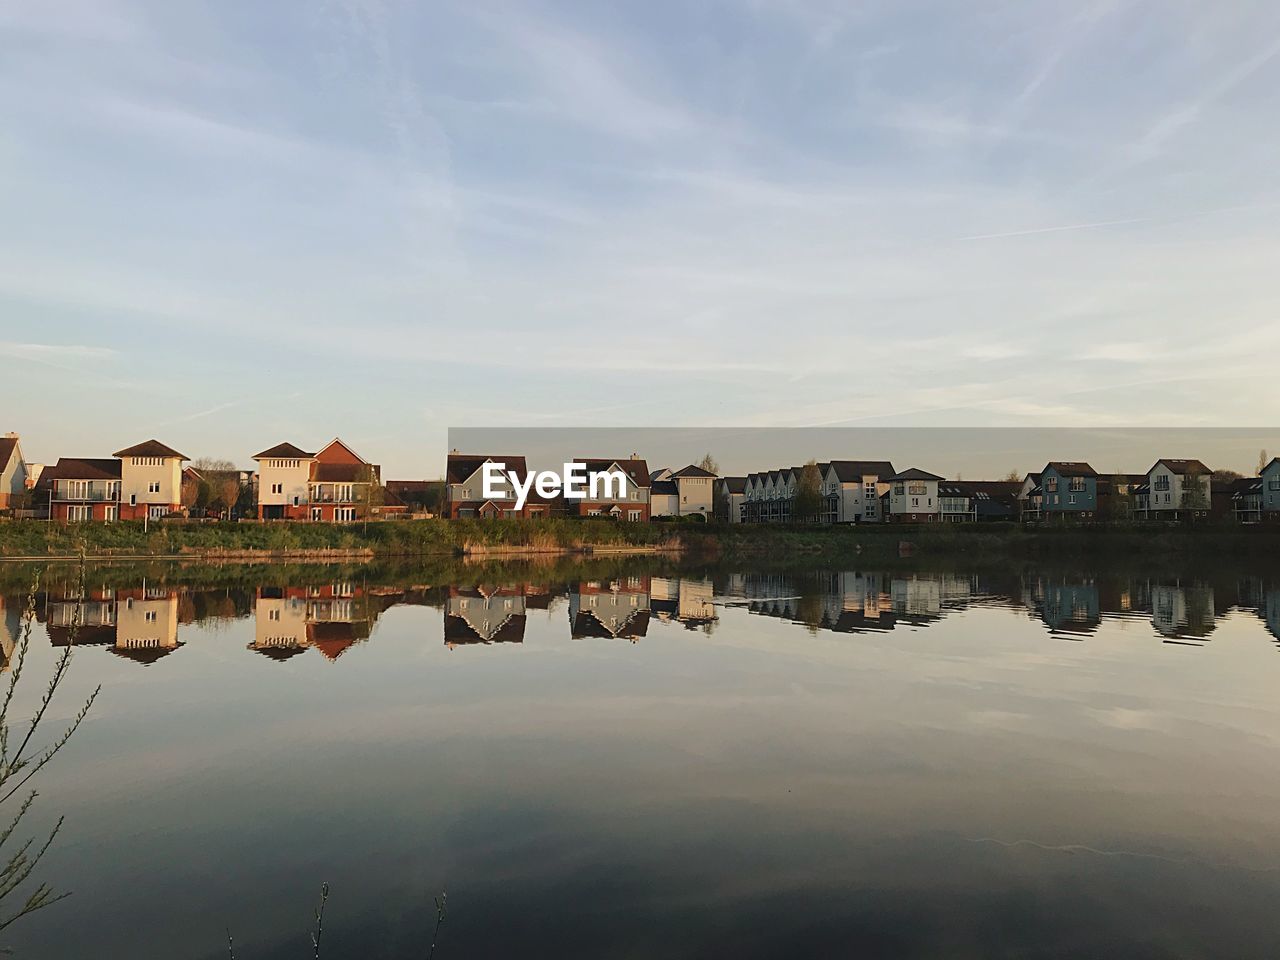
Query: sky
[232, 224]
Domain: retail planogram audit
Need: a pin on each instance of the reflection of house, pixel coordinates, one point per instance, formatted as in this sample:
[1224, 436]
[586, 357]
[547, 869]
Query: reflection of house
[1071, 608]
[146, 623]
[1179, 611]
[10, 630]
[610, 608]
[484, 614]
[1270, 611]
[330, 617]
[684, 599]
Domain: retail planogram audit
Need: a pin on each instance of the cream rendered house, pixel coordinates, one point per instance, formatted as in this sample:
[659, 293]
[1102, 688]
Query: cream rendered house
[913, 496]
[853, 488]
[696, 491]
[150, 480]
[284, 477]
[1178, 487]
[146, 624]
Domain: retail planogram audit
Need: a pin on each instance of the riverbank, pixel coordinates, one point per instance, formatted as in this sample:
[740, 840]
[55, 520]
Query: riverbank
[497, 540]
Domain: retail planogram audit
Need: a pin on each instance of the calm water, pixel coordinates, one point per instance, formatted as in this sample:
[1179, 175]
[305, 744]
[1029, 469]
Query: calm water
[627, 761]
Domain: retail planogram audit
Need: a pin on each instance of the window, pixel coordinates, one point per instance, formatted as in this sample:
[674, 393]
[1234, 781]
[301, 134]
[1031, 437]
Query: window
[918, 488]
[153, 486]
[150, 616]
[1051, 484]
[899, 489]
[277, 488]
[1076, 485]
[1071, 498]
[1161, 482]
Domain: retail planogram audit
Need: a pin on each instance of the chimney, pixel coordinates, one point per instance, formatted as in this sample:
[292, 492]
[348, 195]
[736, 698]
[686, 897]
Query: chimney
[10, 435]
[635, 456]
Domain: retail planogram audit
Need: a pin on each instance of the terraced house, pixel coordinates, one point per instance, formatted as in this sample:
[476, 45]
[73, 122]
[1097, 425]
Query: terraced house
[852, 490]
[913, 497]
[333, 485]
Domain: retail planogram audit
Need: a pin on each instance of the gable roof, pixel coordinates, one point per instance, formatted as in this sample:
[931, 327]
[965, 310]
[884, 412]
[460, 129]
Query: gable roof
[637, 470]
[339, 442]
[1183, 467]
[1070, 468]
[913, 473]
[663, 488]
[76, 468]
[150, 448]
[735, 484]
[7, 447]
[461, 466]
[344, 472]
[692, 471]
[851, 471]
[283, 451]
[1274, 461]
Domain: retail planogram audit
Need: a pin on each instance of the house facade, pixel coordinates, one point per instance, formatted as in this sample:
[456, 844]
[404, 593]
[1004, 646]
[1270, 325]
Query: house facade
[1068, 490]
[150, 481]
[464, 489]
[852, 490]
[1179, 489]
[913, 497]
[1270, 491]
[333, 485]
[978, 501]
[14, 475]
[631, 503]
[694, 493]
[730, 494]
[79, 490]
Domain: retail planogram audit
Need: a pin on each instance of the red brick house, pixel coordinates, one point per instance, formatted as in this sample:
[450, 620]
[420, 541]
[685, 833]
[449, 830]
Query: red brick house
[334, 485]
[76, 490]
[464, 489]
[632, 505]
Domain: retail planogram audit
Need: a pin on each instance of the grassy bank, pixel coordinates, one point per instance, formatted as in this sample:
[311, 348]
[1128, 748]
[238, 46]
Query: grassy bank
[498, 538]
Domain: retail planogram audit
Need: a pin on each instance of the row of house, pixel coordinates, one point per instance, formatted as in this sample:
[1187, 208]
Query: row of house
[642, 495]
[334, 484]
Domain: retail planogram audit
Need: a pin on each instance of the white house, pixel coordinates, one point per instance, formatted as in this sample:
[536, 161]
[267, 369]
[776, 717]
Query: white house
[284, 477]
[852, 490]
[15, 478]
[913, 496]
[1178, 488]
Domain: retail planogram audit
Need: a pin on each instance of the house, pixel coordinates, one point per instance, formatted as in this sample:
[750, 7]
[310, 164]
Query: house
[611, 609]
[695, 492]
[464, 489]
[664, 498]
[1179, 489]
[1247, 499]
[77, 490]
[333, 485]
[631, 503]
[913, 497]
[973, 501]
[150, 480]
[730, 494]
[14, 475]
[852, 490]
[1270, 477]
[1069, 489]
[416, 496]
[1118, 495]
[1031, 499]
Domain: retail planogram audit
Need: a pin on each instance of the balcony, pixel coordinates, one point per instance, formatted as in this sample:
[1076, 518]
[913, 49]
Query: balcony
[85, 494]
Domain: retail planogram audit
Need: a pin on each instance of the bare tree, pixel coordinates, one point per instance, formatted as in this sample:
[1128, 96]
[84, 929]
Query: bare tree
[1013, 476]
[19, 764]
[708, 463]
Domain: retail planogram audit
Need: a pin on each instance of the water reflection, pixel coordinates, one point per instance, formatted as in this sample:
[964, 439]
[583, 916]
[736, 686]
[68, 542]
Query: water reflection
[142, 622]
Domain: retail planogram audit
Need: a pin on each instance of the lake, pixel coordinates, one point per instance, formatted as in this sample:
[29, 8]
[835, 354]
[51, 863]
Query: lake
[645, 758]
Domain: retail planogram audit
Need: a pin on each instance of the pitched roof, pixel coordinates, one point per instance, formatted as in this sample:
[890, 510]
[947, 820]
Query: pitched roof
[1274, 461]
[664, 488]
[913, 473]
[1070, 468]
[1246, 487]
[343, 472]
[851, 471]
[150, 448]
[460, 466]
[1183, 467]
[283, 451]
[7, 446]
[637, 469]
[692, 471]
[76, 468]
[735, 484]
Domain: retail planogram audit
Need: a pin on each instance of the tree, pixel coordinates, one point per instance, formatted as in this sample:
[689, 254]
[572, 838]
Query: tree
[808, 502]
[708, 463]
[1195, 493]
[1262, 461]
[1013, 476]
[369, 491]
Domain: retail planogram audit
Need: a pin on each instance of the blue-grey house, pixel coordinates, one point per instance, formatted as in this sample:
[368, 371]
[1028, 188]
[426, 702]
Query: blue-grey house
[1069, 489]
[1271, 490]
